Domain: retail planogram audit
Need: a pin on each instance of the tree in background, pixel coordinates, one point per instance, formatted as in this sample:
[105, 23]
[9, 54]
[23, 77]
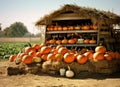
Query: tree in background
[16, 29]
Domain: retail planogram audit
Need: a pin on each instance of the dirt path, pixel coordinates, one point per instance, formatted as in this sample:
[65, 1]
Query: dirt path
[43, 80]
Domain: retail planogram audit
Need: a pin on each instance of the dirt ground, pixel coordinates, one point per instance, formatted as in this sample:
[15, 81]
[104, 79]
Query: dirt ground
[44, 80]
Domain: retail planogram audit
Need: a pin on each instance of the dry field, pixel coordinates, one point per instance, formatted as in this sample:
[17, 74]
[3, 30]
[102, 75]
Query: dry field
[43, 80]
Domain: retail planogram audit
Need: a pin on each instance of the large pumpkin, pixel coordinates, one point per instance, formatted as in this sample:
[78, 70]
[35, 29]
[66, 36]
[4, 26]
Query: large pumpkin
[27, 59]
[45, 49]
[62, 50]
[69, 57]
[100, 49]
[98, 56]
[82, 59]
[28, 49]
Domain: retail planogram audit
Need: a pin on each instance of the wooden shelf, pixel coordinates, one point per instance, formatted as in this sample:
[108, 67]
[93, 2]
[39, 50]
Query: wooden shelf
[78, 45]
[72, 31]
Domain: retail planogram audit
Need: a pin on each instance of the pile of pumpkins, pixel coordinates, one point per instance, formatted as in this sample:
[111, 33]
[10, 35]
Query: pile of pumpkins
[42, 53]
[78, 27]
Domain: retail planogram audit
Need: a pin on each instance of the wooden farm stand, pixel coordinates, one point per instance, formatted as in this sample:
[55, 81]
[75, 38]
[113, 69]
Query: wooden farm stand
[74, 18]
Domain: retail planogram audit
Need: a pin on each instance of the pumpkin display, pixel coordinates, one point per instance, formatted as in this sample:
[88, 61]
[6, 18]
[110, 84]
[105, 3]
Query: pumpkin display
[98, 56]
[69, 73]
[100, 49]
[82, 59]
[12, 58]
[69, 57]
[27, 59]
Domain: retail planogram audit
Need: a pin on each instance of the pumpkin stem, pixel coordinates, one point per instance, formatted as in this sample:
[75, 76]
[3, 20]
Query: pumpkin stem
[69, 68]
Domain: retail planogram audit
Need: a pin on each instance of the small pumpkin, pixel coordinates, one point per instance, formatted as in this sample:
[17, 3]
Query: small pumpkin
[86, 41]
[12, 58]
[59, 28]
[86, 27]
[64, 41]
[65, 28]
[71, 41]
[52, 41]
[89, 54]
[58, 42]
[93, 41]
[51, 56]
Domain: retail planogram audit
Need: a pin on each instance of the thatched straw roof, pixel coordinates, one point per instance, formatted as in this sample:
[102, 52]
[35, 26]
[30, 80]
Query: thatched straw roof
[97, 16]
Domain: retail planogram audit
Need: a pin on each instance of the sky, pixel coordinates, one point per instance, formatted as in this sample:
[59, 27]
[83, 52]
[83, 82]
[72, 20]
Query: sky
[30, 11]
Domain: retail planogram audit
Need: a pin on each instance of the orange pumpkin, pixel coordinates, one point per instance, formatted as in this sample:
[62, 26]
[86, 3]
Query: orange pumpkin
[94, 27]
[89, 54]
[117, 55]
[28, 49]
[65, 28]
[36, 46]
[93, 41]
[38, 54]
[44, 57]
[27, 59]
[71, 41]
[51, 56]
[70, 27]
[100, 49]
[82, 59]
[58, 42]
[32, 53]
[107, 56]
[64, 41]
[62, 50]
[86, 41]
[86, 27]
[45, 49]
[112, 54]
[98, 56]
[52, 41]
[59, 28]
[21, 55]
[69, 57]
[12, 58]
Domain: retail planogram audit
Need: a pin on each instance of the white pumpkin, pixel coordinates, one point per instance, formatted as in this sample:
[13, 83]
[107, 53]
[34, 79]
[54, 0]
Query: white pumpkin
[69, 73]
[37, 59]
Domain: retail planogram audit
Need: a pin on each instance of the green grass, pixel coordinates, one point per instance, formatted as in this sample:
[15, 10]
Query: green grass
[7, 49]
